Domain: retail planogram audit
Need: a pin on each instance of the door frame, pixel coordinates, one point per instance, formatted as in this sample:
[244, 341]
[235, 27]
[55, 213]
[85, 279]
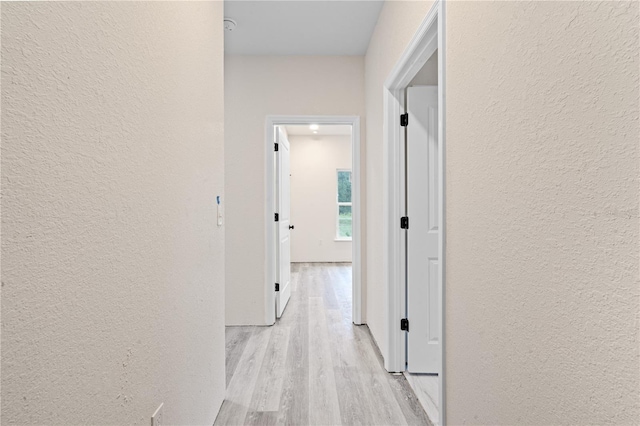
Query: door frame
[270, 241]
[429, 37]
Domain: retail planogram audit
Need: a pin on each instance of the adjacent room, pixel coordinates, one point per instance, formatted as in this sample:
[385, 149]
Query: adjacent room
[320, 193]
[313, 188]
[321, 208]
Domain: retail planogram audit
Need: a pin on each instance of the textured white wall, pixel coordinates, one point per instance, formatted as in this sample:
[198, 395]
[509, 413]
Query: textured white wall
[542, 213]
[398, 22]
[113, 267]
[257, 86]
[314, 187]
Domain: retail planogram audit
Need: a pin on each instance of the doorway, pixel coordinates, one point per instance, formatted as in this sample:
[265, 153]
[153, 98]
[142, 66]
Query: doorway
[281, 227]
[414, 238]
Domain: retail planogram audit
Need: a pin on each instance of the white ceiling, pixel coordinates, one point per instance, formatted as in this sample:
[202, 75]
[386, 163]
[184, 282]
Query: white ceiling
[323, 130]
[302, 27]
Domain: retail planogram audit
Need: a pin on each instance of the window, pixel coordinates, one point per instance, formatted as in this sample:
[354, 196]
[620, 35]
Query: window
[344, 220]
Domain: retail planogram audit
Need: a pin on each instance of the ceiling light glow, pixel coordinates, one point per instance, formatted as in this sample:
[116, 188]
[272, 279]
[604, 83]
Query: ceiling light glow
[314, 127]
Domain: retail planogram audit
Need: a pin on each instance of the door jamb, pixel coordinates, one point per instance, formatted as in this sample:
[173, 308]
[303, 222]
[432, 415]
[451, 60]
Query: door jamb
[429, 37]
[270, 207]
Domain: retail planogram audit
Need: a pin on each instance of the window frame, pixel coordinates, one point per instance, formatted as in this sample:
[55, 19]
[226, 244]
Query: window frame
[340, 204]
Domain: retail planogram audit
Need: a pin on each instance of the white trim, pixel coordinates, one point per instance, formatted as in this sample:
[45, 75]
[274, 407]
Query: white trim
[392, 237]
[429, 37]
[354, 122]
[442, 85]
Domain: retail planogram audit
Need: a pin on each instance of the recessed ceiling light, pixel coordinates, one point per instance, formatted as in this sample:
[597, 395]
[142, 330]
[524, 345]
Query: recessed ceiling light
[314, 127]
[315, 131]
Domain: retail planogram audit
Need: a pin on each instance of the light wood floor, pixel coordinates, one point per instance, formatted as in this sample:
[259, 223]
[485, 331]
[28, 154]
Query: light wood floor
[425, 386]
[314, 367]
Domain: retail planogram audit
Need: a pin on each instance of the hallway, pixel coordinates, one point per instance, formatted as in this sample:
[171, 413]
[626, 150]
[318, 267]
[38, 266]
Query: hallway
[313, 366]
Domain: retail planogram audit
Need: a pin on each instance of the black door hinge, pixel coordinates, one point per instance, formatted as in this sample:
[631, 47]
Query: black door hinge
[404, 324]
[277, 217]
[404, 222]
[404, 119]
[275, 146]
[277, 287]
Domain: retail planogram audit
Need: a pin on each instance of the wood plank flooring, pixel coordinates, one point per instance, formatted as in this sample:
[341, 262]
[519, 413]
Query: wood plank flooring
[313, 367]
[425, 386]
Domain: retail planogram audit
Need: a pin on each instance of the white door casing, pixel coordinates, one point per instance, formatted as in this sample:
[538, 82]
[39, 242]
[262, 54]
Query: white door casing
[423, 311]
[271, 206]
[283, 194]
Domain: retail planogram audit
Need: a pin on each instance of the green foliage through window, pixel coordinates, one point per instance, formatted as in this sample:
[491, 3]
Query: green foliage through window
[344, 187]
[344, 204]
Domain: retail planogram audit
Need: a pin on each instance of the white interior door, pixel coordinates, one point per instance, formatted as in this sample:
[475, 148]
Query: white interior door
[283, 248]
[423, 312]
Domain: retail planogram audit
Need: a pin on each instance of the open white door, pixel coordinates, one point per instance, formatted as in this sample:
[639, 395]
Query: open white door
[283, 246]
[423, 313]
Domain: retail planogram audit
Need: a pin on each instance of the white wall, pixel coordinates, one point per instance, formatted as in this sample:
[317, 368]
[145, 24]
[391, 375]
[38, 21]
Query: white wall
[314, 187]
[113, 267]
[542, 289]
[257, 86]
[543, 292]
